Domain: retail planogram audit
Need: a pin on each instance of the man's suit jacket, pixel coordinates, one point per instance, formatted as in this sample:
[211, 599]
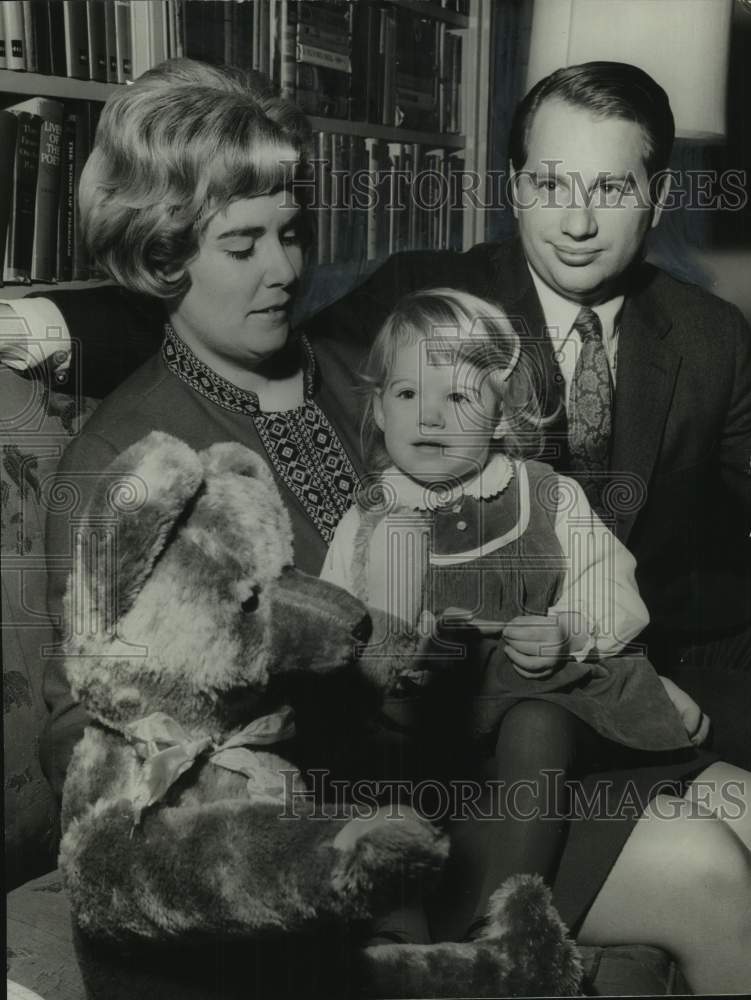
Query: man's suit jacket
[681, 455]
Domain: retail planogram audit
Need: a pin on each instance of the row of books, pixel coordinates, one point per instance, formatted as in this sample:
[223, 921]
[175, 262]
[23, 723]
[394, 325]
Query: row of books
[43, 147]
[370, 198]
[112, 41]
[373, 198]
[373, 61]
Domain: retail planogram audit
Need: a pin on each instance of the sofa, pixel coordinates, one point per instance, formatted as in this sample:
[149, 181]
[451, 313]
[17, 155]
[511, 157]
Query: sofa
[36, 424]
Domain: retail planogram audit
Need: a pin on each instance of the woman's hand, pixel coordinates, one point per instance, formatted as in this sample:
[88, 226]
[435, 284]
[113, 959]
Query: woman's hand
[696, 722]
[535, 644]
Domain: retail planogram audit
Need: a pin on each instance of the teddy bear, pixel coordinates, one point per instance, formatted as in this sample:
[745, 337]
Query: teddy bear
[191, 853]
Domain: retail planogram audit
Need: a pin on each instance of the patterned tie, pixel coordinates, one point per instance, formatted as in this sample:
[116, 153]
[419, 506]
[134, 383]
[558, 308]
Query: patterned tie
[590, 409]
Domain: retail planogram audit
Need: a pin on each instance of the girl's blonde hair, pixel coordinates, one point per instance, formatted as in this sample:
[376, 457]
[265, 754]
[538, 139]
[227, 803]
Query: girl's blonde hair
[171, 151]
[474, 332]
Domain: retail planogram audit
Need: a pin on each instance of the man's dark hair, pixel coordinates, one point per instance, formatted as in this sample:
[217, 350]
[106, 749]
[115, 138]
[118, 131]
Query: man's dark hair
[607, 90]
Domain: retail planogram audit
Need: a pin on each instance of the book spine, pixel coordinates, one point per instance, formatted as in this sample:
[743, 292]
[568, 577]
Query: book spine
[25, 170]
[8, 130]
[97, 37]
[15, 47]
[287, 28]
[68, 197]
[76, 40]
[29, 37]
[123, 41]
[56, 25]
[81, 268]
[44, 252]
[323, 189]
[3, 57]
[110, 35]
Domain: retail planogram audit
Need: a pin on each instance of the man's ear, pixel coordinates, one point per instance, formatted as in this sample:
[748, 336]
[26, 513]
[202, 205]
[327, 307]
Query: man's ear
[661, 196]
[378, 415]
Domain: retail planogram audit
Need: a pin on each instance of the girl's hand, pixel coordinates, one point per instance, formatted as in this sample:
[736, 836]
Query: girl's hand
[696, 722]
[535, 644]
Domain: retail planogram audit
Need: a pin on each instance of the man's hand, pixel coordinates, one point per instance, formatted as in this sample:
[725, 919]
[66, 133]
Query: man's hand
[696, 722]
[535, 644]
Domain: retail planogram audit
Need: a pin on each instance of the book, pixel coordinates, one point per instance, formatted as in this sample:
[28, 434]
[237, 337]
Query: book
[364, 78]
[56, 30]
[123, 41]
[110, 40]
[338, 197]
[240, 35]
[148, 35]
[323, 197]
[44, 250]
[30, 38]
[321, 91]
[205, 31]
[15, 44]
[20, 240]
[8, 129]
[3, 59]
[287, 36]
[376, 233]
[96, 32]
[76, 36]
[355, 223]
[66, 218]
[415, 72]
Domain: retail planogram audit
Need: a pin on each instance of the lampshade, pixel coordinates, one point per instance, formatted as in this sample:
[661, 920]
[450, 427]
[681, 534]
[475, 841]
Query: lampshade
[683, 44]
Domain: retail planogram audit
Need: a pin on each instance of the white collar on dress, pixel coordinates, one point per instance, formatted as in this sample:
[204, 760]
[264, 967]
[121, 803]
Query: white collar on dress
[488, 483]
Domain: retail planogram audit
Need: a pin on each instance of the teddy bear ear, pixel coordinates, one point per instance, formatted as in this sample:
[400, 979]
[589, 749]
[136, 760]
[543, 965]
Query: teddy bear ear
[140, 498]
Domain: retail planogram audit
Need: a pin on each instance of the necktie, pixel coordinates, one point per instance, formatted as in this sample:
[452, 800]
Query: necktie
[590, 409]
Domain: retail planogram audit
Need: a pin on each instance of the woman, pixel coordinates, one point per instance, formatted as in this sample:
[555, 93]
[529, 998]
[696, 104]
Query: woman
[189, 197]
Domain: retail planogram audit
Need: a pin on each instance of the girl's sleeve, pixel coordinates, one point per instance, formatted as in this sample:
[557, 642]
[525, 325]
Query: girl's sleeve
[337, 566]
[599, 581]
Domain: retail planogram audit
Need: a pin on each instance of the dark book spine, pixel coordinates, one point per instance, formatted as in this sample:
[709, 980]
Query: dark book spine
[44, 254]
[25, 170]
[97, 39]
[76, 39]
[56, 25]
[8, 129]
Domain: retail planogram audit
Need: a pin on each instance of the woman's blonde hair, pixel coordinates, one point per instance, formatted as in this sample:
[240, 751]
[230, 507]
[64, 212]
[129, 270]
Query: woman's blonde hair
[171, 151]
[473, 332]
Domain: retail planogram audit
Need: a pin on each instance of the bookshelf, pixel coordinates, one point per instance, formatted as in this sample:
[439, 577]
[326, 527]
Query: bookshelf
[444, 136]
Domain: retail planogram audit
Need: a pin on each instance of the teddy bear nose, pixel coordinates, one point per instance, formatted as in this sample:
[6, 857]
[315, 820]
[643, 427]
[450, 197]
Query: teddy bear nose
[315, 625]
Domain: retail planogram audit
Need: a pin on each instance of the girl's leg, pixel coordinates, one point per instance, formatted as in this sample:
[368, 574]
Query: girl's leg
[682, 882]
[535, 751]
[725, 790]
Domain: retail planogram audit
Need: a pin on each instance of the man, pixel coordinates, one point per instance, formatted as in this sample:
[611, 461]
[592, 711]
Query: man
[646, 382]
[588, 146]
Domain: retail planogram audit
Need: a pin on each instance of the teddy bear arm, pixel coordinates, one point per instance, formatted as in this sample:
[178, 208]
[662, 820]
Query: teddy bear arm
[235, 868]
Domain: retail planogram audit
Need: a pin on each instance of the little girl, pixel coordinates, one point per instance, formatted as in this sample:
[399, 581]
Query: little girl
[527, 591]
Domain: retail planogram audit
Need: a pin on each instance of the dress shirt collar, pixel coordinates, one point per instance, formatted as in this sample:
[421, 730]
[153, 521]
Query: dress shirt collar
[560, 313]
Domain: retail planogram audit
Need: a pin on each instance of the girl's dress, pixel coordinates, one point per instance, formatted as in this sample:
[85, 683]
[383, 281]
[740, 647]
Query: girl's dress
[517, 540]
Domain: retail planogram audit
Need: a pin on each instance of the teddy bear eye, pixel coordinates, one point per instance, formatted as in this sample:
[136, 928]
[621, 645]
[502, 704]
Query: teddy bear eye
[250, 604]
